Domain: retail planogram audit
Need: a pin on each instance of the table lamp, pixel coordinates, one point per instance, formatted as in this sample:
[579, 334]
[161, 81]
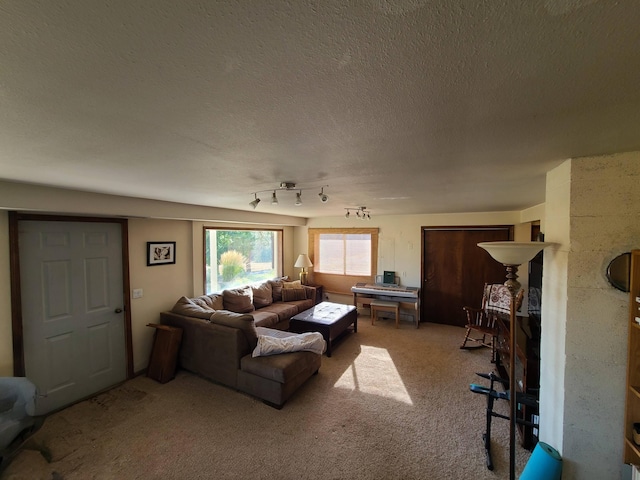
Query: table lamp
[512, 255]
[303, 262]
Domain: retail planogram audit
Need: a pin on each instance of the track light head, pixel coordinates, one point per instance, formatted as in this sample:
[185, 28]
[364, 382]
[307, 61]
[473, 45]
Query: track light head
[274, 199]
[299, 198]
[255, 202]
[346, 215]
[324, 198]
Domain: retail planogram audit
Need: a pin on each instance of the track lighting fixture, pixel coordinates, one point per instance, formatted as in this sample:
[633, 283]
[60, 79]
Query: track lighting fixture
[361, 212]
[288, 186]
[255, 201]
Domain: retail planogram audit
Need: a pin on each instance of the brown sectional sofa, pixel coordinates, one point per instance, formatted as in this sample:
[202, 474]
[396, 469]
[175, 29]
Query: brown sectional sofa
[220, 332]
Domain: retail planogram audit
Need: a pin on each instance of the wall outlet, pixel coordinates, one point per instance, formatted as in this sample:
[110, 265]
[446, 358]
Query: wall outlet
[137, 293]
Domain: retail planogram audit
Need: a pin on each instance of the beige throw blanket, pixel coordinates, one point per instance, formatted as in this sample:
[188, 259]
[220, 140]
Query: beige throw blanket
[310, 342]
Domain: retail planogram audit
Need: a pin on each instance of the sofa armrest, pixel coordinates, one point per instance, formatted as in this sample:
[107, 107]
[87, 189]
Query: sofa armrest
[209, 349]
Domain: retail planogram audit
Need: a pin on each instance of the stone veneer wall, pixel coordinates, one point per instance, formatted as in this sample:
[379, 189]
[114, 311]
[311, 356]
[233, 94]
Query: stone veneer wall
[593, 213]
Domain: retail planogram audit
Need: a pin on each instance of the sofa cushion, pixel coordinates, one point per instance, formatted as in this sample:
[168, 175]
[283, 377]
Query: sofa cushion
[186, 306]
[239, 300]
[215, 300]
[262, 295]
[211, 302]
[280, 368]
[284, 310]
[276, 289]
[265, 318]
[302, 305]
[239, 321]
[291, 294]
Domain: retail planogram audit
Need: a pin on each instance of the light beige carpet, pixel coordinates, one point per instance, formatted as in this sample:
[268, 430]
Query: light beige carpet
[389, 404]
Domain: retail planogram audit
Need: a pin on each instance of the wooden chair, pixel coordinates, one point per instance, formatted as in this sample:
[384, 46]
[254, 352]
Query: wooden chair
[496, 300]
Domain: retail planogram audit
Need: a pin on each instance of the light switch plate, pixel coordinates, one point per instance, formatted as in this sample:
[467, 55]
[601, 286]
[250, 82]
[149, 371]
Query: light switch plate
[137, 293]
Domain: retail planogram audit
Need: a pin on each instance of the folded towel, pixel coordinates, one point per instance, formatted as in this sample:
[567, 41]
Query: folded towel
[309, 342]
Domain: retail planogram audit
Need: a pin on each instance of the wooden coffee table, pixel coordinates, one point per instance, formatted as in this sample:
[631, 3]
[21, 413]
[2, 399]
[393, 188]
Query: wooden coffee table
[330, 319]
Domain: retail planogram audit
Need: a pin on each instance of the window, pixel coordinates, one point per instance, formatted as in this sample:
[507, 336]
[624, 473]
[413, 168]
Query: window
[234, 258]
[342, 257]
[344, 254]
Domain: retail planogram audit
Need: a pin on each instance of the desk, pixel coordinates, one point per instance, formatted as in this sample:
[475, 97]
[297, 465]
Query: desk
[402, 295]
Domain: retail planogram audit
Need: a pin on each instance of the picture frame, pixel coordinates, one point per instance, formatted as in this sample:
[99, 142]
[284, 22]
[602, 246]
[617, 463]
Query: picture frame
[161, 253]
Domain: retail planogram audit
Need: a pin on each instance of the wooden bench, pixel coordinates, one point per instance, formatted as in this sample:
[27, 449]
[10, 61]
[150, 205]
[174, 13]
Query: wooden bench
[384, 306]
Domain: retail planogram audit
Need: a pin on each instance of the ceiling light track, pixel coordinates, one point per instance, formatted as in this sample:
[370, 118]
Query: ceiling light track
[361, 212]
[287, 187]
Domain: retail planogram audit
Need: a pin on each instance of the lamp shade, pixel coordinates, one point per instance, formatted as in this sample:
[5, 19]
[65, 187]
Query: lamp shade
[303, 261]
[513, 253]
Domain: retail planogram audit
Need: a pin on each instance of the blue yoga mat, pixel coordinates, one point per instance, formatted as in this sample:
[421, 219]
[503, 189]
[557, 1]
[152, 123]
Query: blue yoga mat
[545, 463]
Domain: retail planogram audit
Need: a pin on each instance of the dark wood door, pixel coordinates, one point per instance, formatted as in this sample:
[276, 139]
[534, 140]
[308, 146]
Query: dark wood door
[455, 270]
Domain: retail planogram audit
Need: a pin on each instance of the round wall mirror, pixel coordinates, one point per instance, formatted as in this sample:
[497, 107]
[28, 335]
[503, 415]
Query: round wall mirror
[618, 271]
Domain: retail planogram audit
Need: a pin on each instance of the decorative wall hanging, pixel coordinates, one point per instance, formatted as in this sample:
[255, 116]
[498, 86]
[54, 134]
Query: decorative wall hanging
[161, 253]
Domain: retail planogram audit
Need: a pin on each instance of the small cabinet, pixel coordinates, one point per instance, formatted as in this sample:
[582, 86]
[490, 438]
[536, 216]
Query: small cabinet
[319, 294]
[632, 409]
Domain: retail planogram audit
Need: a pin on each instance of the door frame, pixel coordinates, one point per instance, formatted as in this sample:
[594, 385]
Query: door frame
[16, 292]
[423, 232]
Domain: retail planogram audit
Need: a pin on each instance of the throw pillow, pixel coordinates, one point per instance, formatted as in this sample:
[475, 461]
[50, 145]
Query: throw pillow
[239, 300]
[295, 284]
[292, 294]
[276, 289]
[185, 306]
[262, 295]
[214, 300]
[236, 320]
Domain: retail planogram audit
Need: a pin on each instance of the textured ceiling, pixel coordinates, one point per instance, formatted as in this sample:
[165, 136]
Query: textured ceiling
[404, 106]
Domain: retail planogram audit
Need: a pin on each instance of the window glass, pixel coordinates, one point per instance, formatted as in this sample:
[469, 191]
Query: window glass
[234, 258]
[344, 254]
[330, 254]
[358, 254]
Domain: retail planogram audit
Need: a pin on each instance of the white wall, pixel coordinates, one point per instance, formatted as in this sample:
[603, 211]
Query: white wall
[593, 212]
[400, 236]
[554, 306]
[162, 285]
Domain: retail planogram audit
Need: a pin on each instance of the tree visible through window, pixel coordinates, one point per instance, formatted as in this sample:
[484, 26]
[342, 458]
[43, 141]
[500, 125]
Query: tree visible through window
[234, 258]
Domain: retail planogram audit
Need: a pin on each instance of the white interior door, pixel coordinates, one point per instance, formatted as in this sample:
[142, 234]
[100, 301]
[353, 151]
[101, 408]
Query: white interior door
[72, 309]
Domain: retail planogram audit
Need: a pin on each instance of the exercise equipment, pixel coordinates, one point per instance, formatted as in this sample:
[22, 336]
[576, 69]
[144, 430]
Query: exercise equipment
[493, 395]
[545, 462]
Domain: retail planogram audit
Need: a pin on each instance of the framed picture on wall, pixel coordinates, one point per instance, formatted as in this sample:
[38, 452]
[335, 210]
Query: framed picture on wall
[161, 253]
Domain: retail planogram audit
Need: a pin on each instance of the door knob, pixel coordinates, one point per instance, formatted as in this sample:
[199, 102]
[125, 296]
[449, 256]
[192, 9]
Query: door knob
[118, 310]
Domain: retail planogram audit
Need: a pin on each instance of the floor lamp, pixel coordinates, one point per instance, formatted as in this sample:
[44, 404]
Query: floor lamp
[512, 255]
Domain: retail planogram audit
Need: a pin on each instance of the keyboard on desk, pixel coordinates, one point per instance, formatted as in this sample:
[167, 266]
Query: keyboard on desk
[379, 289]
